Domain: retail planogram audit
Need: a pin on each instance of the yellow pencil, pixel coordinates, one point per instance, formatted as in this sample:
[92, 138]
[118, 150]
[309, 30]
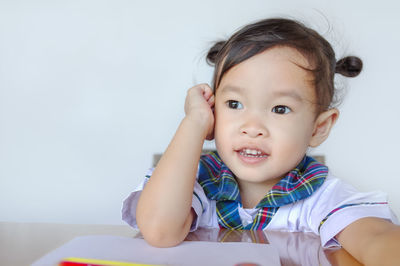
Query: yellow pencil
[95, 262]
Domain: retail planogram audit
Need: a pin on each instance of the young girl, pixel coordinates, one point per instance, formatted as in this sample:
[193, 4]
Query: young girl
[271, 100]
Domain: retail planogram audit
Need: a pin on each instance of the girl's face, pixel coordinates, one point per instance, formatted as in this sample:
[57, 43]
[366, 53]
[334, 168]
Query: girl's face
[265, 116]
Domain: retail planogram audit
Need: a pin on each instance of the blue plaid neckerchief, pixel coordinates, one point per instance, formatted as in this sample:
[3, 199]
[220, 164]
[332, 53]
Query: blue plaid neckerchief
[219, 184]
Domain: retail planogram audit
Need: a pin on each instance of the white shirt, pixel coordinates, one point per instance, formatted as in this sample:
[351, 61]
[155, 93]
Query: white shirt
[302, 216]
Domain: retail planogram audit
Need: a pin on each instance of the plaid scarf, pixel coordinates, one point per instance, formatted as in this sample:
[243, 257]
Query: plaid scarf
[219, 184]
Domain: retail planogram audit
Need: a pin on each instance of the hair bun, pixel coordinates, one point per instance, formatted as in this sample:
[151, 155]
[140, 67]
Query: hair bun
[349, 66]
[212, 54]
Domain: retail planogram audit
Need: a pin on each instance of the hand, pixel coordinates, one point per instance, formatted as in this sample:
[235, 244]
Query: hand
[199, 105]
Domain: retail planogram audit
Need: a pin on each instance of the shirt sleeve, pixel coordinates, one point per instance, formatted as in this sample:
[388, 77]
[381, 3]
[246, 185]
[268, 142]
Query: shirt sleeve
[130, 203]
[201, 205]
[340, 204]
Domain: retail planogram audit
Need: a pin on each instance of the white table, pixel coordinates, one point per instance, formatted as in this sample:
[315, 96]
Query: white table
[23, 243]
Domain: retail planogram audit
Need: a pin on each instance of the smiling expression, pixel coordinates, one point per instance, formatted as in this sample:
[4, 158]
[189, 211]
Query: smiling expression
[265, 115]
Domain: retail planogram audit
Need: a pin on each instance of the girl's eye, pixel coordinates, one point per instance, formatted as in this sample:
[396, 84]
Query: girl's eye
[234, 104]
[281, 109]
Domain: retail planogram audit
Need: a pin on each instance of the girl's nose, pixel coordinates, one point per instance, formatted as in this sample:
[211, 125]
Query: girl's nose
[254, 129]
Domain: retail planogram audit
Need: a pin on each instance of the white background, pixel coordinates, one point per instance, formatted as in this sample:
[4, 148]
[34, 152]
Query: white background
[90, 90]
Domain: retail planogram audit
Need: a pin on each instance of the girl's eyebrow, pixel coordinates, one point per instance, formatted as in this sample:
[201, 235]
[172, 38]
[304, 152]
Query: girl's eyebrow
[232, 88]
[289, 93]
[276, 94]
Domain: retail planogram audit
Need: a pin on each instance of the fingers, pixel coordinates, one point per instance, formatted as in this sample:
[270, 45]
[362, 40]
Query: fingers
[211, 101]
[207, 94]
[200, 93]
[199, 104]
[210, 98]
[207, 91]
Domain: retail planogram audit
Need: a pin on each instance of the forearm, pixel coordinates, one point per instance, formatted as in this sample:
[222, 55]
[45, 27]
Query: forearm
[164, 206]
[372, 241]
[384, 249]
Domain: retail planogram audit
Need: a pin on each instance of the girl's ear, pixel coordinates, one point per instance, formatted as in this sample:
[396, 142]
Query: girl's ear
[322, 126]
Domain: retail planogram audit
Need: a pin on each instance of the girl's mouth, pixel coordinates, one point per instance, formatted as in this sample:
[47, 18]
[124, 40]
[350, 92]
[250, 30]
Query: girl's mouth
[252, 153]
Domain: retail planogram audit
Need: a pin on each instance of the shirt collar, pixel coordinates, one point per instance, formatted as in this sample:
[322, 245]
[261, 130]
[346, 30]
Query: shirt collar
[219, 182]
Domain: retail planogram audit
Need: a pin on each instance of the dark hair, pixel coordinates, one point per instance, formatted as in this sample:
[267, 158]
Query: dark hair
[262, 35]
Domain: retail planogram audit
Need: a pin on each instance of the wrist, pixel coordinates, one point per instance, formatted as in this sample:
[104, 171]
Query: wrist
[199, 123]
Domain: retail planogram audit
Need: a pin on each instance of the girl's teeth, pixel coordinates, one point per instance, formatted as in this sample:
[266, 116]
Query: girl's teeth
[252, 153]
